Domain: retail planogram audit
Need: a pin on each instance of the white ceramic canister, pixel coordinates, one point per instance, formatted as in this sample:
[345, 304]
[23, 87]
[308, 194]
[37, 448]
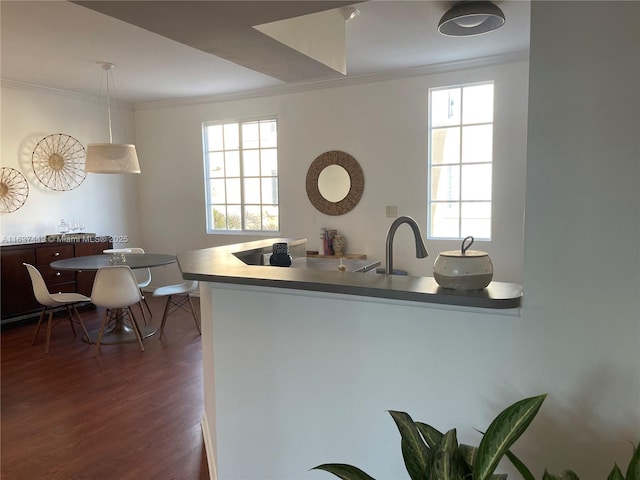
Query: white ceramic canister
[463, 269]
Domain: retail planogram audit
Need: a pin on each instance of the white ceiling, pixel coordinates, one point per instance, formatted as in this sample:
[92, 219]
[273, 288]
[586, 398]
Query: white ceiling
[57, 44]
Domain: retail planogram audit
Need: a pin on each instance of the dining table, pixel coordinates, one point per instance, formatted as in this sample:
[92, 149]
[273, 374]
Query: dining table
[119, 332]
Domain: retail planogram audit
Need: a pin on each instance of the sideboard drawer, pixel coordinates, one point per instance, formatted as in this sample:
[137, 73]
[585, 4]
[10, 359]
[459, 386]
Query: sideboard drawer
[52, 277]
[46, 255]
[63, 288]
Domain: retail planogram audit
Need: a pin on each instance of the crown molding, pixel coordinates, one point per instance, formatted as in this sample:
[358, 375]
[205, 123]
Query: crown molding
[344, 81]
[32, 87]
[348, 80]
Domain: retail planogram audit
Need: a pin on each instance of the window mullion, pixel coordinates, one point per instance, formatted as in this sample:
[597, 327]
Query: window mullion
[260, 175]
[460, 126]
[241, 159]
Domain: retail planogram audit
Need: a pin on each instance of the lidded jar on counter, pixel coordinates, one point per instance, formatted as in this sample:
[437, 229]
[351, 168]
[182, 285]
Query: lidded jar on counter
[463, 269]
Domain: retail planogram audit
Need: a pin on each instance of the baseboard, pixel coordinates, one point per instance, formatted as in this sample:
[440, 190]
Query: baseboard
[209, 448]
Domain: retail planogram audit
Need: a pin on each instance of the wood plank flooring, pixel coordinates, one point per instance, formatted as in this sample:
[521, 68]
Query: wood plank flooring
[125, 414]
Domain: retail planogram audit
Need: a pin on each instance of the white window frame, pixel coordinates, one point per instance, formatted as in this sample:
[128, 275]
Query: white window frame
[459, 200]
[207, 151]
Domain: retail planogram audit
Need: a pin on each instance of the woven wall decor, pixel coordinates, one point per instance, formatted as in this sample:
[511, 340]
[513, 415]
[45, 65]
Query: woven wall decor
[14, 190]
[58, 162]
[356, 178]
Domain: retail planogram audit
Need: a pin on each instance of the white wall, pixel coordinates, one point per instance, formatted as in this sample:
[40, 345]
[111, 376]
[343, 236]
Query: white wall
[107, 203]
[582, 311]
[382, 124]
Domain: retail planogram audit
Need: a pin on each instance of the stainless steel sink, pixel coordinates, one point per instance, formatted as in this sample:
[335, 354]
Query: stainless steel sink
[331, 264]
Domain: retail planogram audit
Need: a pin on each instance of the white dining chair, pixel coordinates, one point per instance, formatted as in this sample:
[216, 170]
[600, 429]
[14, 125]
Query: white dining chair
[51, 301]
[143, 275]
[116, 289]
[178, 297]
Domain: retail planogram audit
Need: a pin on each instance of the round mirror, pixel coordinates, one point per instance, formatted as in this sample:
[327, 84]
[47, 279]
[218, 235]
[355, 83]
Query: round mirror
[335, 183]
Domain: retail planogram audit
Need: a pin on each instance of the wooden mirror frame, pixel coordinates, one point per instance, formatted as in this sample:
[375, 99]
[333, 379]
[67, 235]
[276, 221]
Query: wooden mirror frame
[356, 176]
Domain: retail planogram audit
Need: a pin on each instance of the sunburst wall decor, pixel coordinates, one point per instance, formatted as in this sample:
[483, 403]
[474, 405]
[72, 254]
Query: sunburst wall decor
[14, 190]
[58, 162]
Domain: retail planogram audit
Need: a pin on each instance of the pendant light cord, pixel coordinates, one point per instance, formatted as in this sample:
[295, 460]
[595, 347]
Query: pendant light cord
[107, 68]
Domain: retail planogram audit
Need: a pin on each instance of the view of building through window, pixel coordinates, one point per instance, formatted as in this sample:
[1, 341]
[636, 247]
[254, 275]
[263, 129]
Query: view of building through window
[460, 161]
[241, 169]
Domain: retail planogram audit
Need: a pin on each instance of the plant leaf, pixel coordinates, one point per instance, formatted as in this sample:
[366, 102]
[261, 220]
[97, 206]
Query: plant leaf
[521, 467]
[616, 473]
[569, 475]
[547, 476]
[633, 470]
[448, 463]
[468, 453]
[505, 429]
[344, 471]
[431, 435]
[414, 451]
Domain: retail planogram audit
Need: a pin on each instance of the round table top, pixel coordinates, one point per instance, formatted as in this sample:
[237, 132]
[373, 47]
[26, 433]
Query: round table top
[132, 260]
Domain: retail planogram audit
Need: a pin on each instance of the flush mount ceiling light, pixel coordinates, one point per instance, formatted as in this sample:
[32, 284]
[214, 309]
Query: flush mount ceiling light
[471, 18]
[111, 157]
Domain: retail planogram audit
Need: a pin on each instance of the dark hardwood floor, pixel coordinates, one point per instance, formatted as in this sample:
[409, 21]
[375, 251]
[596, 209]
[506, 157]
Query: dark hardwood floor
[125, 414]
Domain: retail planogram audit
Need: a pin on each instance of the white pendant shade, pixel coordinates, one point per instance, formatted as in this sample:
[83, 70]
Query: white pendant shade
[111, 158]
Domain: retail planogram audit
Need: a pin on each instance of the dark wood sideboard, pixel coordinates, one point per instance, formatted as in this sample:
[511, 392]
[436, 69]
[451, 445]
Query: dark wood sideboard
[17, 299]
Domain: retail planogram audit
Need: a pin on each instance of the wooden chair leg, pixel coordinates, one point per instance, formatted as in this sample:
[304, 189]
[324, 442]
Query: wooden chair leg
[165, 315]
[101, 331]
[195, 316]
[49, 327]
[79, 319]
[35, 335]
[183, 302]
[136, 329]
[144, 300]
[70, 315]
[144, 317]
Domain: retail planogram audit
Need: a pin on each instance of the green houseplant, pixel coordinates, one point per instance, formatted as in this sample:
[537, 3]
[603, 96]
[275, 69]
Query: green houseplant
[632, 471]
[430, 454]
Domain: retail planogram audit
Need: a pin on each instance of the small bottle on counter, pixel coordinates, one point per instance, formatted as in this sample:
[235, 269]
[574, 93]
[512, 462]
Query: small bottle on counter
[323, 241]
[342, 267]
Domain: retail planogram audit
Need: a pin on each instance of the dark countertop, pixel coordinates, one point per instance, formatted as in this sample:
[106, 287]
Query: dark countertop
[224, 265]
[132, 260]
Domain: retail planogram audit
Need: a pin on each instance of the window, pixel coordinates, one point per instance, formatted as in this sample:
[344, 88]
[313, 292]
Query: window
[241, 176]
[460, 161]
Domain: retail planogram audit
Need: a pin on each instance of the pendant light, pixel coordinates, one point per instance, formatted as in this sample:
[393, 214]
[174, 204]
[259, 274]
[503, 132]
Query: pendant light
[471, 18]
[111, 157]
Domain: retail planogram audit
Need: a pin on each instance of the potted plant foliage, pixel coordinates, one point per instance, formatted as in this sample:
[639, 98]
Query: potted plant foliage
[432, 455]
[632, 471]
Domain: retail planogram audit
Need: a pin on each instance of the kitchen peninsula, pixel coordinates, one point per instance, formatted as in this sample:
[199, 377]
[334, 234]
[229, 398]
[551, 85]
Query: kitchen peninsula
[243, 264]
[291, 356]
